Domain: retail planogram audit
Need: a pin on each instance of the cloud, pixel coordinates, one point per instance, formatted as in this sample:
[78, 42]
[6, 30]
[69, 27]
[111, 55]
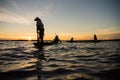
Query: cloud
[110, 36]
[15, 13]
[108, 30]
[10, 17]
[42, 10]
[16, 36]
[49, 7]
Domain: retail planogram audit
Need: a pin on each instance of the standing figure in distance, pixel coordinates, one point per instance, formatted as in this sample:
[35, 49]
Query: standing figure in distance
[40, 30]
[95, 37]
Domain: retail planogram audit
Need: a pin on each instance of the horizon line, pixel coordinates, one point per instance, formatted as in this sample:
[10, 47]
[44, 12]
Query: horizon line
[51, 40]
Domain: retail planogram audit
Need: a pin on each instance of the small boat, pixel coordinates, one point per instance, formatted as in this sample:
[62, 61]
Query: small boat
[55, 41]
[95, 40]
[84, 41]
[73, 41]
[39, 45]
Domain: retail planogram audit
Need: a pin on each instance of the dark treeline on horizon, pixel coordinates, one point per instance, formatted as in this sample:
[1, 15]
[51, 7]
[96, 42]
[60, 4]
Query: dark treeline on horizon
[62, 40]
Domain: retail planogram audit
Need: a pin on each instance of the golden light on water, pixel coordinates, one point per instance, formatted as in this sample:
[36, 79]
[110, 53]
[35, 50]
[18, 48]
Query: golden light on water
[30, 38]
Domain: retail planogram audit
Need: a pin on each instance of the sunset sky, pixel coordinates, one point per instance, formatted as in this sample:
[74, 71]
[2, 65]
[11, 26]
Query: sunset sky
[67, 18]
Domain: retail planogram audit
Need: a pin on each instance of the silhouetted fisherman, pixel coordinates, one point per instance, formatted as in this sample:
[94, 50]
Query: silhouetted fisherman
[71, 39]
[40, 30]
[95, 37]
[56, 39]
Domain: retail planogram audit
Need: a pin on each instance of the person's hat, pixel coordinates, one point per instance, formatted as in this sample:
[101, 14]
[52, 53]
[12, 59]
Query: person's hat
[36, 19]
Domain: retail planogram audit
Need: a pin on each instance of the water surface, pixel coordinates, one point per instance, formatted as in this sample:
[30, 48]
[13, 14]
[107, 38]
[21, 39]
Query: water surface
[20, 60]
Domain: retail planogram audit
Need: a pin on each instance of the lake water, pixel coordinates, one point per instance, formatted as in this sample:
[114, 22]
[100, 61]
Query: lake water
[20, 60]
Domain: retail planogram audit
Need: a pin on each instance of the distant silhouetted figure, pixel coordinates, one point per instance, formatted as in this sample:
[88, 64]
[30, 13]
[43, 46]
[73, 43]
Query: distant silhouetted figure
[95, 37]
[56, 39]
[71, 39]
[40, 30]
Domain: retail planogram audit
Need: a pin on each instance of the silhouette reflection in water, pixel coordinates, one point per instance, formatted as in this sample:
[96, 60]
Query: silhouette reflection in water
[39, 54]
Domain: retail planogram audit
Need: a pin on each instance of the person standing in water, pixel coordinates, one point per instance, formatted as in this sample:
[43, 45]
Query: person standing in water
[40, 30]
